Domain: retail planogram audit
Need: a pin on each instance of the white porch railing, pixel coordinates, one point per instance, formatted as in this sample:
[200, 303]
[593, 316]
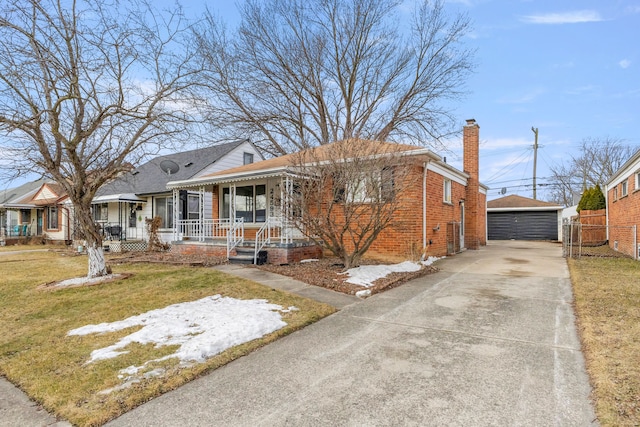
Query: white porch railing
[195, 229]
[235, 235]
[274, 229]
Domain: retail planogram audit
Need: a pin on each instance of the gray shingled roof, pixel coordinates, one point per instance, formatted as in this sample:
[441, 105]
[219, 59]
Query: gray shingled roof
[149, 178]
[12, 194]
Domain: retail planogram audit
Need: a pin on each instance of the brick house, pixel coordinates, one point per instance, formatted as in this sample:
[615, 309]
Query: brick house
[441, 210]
[622, 192]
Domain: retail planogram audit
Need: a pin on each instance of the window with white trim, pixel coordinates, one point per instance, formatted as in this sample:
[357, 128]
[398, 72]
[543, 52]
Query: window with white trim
[163, 207]
[371, 187]
[100, 212]
[52, 217]
[247, 158]
[615, 193]
[250, 203]
[637, 181]
[446, 190]
[193, 206]
[623, 189]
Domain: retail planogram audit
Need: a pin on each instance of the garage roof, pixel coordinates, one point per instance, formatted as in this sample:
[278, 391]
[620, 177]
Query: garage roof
[514, 202]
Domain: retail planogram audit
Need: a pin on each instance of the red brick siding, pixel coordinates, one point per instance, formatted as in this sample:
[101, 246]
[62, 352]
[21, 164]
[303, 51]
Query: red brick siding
[291, 255]
[624, 212]
[215, 203]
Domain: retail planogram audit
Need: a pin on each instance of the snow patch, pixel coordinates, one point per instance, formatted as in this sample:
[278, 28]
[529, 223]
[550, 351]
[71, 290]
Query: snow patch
[363, 293]
[201, 328]
[430, 260]
[365, 275]
[309, 260]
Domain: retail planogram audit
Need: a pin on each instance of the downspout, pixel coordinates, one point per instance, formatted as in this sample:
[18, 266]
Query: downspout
[424, 210]
[606, 212]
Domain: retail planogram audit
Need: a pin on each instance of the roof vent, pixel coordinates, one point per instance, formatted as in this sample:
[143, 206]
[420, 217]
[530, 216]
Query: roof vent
[136, 172]
[186, 165]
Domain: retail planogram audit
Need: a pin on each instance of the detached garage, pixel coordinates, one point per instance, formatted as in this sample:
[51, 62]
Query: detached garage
[520, 218]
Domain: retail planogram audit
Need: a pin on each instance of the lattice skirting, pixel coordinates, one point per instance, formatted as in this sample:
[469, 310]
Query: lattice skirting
[122, 246]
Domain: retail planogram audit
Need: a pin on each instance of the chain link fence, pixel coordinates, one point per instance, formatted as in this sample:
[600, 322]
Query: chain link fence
[580, 240]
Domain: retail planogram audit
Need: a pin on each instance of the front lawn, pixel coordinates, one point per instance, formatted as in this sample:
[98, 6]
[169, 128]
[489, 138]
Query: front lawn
[38, 355]
[607, 302]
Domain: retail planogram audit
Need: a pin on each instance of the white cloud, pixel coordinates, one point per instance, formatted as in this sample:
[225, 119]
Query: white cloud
[575, 17]
[581, 90]
[523, 98]
[625, 63]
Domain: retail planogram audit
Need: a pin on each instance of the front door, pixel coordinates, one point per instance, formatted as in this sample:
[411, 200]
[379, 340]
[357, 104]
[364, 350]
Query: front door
[39, 222]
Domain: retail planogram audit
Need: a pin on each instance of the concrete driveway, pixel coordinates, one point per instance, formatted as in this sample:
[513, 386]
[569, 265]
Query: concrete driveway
[488, 341]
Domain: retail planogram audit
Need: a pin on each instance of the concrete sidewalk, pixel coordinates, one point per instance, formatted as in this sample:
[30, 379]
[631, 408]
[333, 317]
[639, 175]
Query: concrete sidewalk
[488, 341]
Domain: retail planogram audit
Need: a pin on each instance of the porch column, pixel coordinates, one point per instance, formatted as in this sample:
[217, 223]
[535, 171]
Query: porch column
[176, 213]
[201, 213]
[232, 203]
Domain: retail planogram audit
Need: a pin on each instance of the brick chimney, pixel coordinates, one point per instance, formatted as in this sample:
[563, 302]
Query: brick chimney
[471, 165]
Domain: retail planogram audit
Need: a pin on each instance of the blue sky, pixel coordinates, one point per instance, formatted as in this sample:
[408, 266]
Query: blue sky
[568, 68]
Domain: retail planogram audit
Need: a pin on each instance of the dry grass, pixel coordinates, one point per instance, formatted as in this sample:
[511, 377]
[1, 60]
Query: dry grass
[38, 356]
[607, 300]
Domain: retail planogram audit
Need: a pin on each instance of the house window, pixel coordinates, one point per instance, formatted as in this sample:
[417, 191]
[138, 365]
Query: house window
[25, 216]
[193, 206]
[615, 193]
[446, 190]
[250, 203]
[101, 212]
[637, 181]
[247, 158]
[623, 189]
[164, 209]
[370, 188]
[52, 218]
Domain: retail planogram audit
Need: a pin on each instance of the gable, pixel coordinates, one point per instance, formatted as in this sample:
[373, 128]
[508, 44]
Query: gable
[232, 159]
[45, 193]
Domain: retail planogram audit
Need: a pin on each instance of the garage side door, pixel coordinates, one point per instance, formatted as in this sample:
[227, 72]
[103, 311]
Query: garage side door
[522, 225]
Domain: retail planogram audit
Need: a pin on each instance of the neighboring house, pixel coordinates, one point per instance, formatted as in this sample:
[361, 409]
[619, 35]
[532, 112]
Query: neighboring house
[442, 212]
[520, 218]
[623, 207]
[38, 208]
[122, 205]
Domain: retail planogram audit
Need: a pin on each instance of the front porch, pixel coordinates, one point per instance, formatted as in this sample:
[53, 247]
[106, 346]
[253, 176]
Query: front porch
[276, 238]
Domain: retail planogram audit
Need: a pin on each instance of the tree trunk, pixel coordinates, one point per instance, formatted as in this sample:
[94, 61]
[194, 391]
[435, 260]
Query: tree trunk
[97, 264]
[93, 237]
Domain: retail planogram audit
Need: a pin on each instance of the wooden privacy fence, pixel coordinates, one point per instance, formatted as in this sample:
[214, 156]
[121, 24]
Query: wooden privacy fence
[595, 232]
[579, 239]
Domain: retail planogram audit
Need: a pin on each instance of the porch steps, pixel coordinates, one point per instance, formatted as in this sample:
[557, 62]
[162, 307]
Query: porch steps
[244, 255]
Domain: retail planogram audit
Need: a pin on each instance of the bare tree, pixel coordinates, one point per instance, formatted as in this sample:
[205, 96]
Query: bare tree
[303, 73]
[88, 86]
[346, 194]
[595, 161]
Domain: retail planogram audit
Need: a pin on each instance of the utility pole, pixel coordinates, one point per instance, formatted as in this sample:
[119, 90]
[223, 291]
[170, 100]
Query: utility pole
[535, 160]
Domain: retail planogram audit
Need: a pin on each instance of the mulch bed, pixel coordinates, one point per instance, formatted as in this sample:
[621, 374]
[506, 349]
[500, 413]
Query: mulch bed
[324, 272]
